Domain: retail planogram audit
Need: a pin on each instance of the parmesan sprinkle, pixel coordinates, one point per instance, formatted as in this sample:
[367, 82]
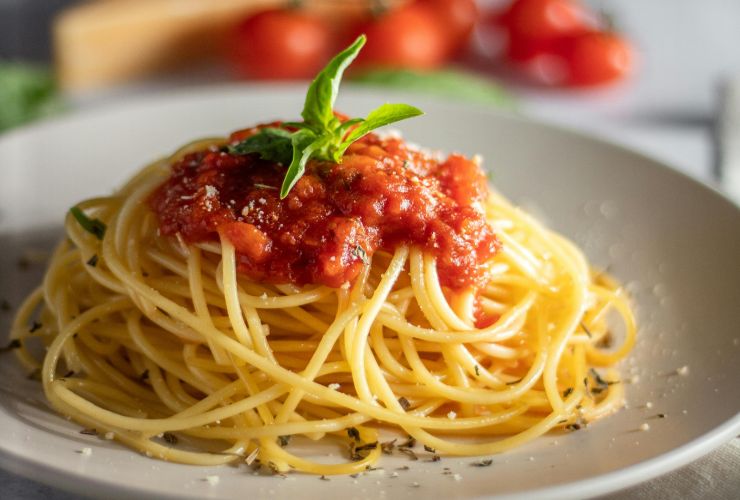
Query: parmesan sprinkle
[86, 452]
[109, 436]
[334, 386]
[212, 480]
[683, 371]
[645, 427]
[452, 415]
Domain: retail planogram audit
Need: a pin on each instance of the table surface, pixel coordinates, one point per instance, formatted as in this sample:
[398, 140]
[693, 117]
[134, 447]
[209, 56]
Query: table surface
[667, 111]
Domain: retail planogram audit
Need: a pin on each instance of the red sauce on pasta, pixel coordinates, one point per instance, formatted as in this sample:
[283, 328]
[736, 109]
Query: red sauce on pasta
[383, 194]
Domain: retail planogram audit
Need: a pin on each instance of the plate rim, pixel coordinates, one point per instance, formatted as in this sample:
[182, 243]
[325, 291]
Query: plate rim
[593, 486]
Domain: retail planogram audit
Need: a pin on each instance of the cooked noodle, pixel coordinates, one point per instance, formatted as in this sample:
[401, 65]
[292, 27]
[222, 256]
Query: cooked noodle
[154, 337]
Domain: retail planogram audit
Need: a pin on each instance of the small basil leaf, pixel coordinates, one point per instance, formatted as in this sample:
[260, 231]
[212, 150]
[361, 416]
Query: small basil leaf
[272, 144]
[318, 109]
[304, 143]
[379, 117]
[96, 227]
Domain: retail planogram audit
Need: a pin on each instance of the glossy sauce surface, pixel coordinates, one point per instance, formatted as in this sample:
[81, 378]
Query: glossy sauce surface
[383, 194]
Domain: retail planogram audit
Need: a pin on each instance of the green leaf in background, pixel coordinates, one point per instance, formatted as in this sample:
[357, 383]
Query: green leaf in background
[26, 93]
[453, 84]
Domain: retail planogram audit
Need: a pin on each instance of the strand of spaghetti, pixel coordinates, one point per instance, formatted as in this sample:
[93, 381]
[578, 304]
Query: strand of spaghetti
[233, 308]
[324, 425]
[475, 396]
[568, 322]
[287, 377]
[437, 298]
[161, 389]
[60, 259]
[603, 358]
[162, 361]
[506, 327]
[59, 390]
[367, 316]
[19, 331]
[318, 359]
[416, 271]
[199, 301]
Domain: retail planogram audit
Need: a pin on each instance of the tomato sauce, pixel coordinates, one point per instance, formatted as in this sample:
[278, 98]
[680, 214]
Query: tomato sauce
[383, 194]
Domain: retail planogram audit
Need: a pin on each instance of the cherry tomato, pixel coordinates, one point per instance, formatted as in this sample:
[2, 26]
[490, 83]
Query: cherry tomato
[410, 36]
[546, 19]
[281, 44]
[533, 25]
[458, 17]
[595, 58]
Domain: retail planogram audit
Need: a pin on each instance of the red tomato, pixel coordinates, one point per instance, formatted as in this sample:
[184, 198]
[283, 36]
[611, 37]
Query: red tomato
[533, 25]
[459, 18]
[281, 44]
[410, 36]
[545, 19]
[595, 58]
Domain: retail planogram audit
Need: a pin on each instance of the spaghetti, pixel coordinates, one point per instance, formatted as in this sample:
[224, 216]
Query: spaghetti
[161, 337]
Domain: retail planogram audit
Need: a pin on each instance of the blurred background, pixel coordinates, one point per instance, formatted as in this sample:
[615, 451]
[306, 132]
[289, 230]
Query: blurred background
[660, 76]
[657, 76]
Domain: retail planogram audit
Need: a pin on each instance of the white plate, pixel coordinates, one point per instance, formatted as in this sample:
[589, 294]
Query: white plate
[674, 242]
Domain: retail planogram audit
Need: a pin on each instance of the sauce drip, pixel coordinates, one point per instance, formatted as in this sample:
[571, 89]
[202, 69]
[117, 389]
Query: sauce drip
[383, 194]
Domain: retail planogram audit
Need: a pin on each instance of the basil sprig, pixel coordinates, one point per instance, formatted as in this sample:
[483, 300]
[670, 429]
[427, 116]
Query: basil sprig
[96, 227]
[320, 135]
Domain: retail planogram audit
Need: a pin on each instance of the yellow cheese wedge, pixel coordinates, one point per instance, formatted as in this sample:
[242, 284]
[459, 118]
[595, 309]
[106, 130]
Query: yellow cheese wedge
[106, 42]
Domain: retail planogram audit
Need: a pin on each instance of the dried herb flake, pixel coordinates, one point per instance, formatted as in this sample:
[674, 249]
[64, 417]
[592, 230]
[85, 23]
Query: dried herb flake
[361, 254]
[387, 447]
[13, 344]
[169, 438]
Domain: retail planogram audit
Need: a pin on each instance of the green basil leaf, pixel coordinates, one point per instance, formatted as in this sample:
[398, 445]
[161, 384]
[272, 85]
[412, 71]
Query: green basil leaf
[96, 227]
[304, 144]
[379, 117]
[272, 144]
[318, 109]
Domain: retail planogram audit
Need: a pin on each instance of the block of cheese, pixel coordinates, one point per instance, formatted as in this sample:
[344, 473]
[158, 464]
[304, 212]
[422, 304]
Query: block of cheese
[107, 42]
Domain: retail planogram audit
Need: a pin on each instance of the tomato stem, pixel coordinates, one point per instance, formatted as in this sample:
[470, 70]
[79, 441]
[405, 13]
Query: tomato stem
[379, 7]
